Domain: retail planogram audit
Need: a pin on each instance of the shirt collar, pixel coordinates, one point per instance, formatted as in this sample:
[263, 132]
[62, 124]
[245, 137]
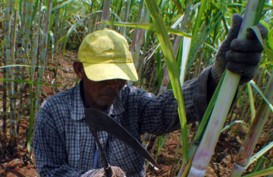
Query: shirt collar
[77, 110]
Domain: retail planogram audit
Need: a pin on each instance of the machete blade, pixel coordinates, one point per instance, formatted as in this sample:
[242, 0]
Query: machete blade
[102, 121]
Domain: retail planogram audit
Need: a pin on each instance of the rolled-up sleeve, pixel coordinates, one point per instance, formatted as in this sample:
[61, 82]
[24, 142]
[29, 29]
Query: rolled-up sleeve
[196, 96]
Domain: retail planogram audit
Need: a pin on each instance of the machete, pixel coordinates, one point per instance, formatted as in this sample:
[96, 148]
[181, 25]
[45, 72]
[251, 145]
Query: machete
[106, 165]
[101, 121]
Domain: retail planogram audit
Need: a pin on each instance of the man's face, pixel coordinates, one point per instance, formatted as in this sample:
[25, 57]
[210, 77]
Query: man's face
[103, 93]
[99, 94]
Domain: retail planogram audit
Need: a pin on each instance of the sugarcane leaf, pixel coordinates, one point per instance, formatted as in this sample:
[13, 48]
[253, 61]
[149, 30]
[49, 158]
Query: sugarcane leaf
[260, 153]
[262, 95]
[63, 4]
[251, 101]
[256, 30]
[232, 124]
[173, 71]
[270, 39]
[149, 26]
[268, 52]
[268, 171]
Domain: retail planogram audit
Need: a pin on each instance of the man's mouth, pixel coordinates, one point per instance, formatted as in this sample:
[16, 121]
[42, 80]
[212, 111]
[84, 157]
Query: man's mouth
[110, 96]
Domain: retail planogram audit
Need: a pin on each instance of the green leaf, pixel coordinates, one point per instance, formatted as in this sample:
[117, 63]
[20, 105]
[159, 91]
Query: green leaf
[268, 171]
[256, 30]
[262, 95]
[270, 38]
[173, 71]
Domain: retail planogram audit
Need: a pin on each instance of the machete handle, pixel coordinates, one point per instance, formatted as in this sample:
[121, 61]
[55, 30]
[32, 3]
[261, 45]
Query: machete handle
[108, 171]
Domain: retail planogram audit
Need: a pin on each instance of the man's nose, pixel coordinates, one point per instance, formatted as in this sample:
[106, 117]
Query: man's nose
[112, 84]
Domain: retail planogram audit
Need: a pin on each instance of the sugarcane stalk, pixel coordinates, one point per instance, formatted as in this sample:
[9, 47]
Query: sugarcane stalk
[42, 64]
[201, 129]
[6, 61]
[13, 76]
[33, 54]
[253, 135]
[105, 12]
[223, 103]
[138, 39]
[21, 50]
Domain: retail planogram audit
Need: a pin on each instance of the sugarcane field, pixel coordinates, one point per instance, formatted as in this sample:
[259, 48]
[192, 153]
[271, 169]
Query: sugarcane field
[136, 88]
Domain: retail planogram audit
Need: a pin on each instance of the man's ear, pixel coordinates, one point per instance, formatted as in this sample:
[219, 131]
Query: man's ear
[78, 69]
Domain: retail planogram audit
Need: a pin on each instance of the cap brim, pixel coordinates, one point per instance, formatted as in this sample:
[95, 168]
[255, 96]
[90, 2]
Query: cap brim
[108, 71]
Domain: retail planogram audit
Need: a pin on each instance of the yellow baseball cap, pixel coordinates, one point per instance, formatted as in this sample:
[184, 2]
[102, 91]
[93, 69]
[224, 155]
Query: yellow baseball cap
[105, 55]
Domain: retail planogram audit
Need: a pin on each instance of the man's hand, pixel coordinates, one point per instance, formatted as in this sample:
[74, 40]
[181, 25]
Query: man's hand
[240, 56]
[116, 172]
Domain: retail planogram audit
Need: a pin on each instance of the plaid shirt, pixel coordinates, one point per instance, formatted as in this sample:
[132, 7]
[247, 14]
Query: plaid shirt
[64, 146]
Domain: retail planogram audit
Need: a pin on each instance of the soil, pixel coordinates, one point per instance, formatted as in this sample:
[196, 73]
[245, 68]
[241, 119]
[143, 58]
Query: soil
[18, 162]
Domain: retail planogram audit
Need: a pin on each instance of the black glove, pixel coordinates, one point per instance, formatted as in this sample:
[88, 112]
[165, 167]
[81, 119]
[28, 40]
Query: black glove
[116, 172]
[240, 56]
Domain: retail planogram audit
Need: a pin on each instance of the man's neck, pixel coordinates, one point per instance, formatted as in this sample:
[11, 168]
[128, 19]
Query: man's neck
[88, 103]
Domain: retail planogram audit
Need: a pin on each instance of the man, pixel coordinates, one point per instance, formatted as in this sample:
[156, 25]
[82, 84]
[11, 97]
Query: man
[63, 144]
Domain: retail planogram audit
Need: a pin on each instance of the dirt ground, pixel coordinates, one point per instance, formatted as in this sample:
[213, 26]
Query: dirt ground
[19, 163]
